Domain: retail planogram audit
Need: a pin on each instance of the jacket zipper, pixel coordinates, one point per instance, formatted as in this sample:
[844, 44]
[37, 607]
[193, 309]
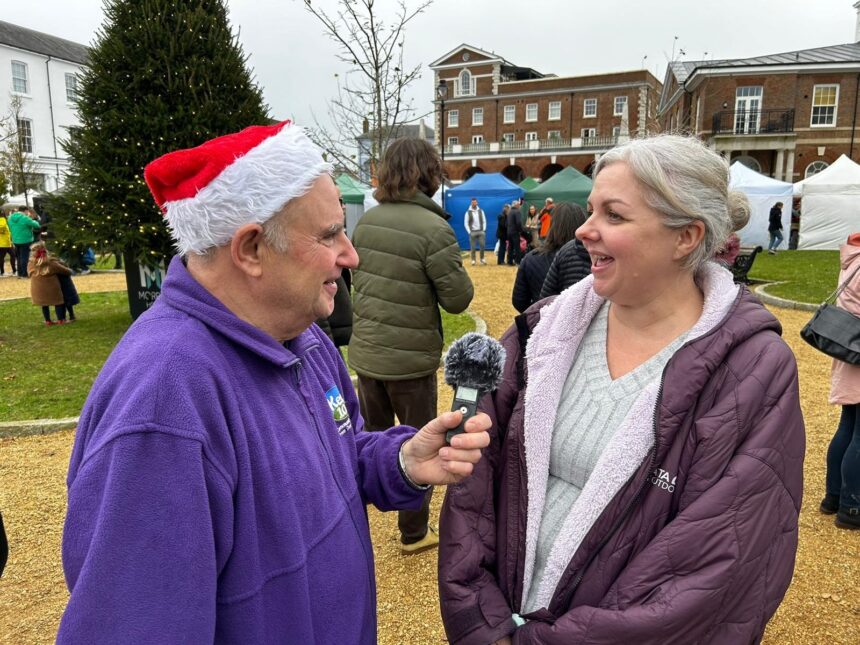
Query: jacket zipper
[368, 554]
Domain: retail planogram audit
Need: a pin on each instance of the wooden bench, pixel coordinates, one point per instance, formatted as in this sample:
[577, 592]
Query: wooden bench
[743, 263]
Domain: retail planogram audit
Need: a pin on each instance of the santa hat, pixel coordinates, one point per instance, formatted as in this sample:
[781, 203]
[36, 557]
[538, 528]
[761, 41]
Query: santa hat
[207, 193]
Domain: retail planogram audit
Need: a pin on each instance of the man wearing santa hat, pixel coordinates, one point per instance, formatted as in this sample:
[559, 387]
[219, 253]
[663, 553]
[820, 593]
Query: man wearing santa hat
[218, 481]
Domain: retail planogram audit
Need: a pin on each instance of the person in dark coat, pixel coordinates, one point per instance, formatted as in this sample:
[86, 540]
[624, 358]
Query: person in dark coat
[515, 230]
[570, 265]
[536, 263]
[774, 228]
[502, 234]
[645, 477]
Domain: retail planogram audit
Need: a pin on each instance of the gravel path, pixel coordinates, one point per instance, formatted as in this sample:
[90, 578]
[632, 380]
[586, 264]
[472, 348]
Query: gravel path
[821, 607]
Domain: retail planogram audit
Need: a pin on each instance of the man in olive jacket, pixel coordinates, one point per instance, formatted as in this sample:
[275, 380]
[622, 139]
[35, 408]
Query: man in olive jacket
[409, 266]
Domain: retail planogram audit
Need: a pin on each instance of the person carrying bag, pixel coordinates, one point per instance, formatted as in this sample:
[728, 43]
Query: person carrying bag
[834, 330]
[838, 328]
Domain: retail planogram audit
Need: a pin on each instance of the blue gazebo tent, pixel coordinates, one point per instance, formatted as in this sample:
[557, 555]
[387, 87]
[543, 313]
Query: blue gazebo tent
[492, 190]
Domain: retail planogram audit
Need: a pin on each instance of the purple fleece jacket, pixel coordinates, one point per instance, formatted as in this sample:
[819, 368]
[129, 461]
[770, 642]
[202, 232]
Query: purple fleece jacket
[217, 487]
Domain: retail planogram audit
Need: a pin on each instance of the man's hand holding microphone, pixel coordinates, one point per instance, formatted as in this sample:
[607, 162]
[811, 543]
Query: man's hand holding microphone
[446, 449]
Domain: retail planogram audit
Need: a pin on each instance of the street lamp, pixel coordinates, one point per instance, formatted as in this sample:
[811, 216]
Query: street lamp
[442, 94]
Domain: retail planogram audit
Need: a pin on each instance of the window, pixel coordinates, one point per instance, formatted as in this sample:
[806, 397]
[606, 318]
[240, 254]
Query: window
[453, 118]
[465, 84]
[589, 108]
[553, 134]
[453, 141]
[507, 137]
[25, 134]
[477, 138]
[531, 112]
[814, 168]
[589, 133]
[554, 111]
[824, 100]
[71, 88]
[531, 136]
[620, 105]
[616, 131]
[477, 116]
[20, 81]
[510, 113]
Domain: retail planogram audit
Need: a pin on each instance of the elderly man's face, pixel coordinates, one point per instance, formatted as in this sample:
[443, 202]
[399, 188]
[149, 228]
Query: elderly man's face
[300, 284]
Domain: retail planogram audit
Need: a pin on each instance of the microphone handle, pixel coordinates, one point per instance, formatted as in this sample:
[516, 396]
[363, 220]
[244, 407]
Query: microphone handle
[466, 401]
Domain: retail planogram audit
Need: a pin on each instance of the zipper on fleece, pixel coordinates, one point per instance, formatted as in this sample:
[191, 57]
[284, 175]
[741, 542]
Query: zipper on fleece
[368, 555]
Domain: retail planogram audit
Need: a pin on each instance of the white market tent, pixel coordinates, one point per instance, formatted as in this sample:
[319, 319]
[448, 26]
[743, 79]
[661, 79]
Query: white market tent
[830, 206]
[762, 192]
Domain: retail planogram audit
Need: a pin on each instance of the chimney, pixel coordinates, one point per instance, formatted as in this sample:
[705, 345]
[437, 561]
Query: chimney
[422, 129]
[857, 25]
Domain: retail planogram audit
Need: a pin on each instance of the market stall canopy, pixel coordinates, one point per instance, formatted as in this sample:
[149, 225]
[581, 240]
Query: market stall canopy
[351, 190]
[529, 183]
[830, 206]
[568, 185]
[763, 193]
[18, 200]
[492, 190]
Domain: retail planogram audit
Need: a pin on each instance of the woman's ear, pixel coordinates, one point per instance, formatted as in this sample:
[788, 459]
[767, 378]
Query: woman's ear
[689, 238]
[247, 247]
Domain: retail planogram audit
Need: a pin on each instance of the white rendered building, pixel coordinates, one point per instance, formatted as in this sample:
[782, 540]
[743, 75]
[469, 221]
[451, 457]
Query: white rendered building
[42, 70]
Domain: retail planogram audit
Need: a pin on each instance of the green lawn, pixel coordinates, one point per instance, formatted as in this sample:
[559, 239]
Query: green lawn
[47, 372]
[809, 276]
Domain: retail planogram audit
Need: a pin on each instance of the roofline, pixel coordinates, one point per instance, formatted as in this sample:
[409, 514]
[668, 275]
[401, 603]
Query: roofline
[698, 75]
[43, 55]
[567, 78]
[437, 64]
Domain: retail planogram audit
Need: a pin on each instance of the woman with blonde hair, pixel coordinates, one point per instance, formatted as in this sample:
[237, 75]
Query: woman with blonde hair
[644, 482]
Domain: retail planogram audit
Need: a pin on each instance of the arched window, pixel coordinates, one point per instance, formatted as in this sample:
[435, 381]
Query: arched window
[466, 88]
[749, 162]
[814, 168]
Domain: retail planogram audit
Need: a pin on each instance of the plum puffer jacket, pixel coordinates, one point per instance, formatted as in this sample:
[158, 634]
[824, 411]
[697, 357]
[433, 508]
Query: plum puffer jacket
[686, 531]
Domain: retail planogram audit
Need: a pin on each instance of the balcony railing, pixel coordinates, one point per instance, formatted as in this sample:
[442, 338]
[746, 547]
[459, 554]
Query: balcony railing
[599, 142]
[745, 122]
[498, 147]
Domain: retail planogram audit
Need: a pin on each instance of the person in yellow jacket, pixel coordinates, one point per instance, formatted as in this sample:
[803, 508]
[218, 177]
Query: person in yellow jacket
[6, 247]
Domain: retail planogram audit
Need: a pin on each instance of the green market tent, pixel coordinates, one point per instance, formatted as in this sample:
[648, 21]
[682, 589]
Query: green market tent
[351, 190]
[529, 183]
[569, 185]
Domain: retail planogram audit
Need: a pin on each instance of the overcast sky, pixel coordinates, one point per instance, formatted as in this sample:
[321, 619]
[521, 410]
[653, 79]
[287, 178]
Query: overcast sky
[295, 64]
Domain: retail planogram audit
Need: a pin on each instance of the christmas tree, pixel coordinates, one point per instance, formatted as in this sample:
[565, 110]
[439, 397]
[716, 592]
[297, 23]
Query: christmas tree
[162, 75]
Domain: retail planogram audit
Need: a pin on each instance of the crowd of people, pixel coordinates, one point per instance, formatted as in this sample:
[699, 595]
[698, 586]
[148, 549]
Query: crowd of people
[636, 477]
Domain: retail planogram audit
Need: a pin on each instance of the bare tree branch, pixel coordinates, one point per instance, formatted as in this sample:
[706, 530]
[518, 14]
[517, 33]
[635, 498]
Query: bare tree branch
[370, 94]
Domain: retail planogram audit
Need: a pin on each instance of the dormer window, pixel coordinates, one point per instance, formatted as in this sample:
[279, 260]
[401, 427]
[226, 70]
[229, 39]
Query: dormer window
[466, 84]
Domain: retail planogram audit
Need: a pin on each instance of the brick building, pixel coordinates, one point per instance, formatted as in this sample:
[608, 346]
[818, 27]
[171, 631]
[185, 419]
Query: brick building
[503, 118]
[785, 115]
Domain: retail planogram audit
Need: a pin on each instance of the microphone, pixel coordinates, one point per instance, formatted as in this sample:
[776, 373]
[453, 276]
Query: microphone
[473, 367]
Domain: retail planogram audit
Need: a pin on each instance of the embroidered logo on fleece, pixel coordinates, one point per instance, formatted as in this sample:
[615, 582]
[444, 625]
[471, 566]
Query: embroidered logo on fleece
[663, 479]
[338, 410]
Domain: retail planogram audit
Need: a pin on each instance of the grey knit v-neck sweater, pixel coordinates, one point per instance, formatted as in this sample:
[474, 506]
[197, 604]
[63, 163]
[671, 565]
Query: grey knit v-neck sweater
[592, 406]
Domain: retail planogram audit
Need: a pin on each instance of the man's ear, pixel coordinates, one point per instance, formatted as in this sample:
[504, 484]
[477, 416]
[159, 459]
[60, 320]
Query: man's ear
[247, 248]
[689, 238]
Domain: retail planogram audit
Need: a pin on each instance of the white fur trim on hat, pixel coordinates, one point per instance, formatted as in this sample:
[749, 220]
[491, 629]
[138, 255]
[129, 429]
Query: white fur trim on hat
[250, 190]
